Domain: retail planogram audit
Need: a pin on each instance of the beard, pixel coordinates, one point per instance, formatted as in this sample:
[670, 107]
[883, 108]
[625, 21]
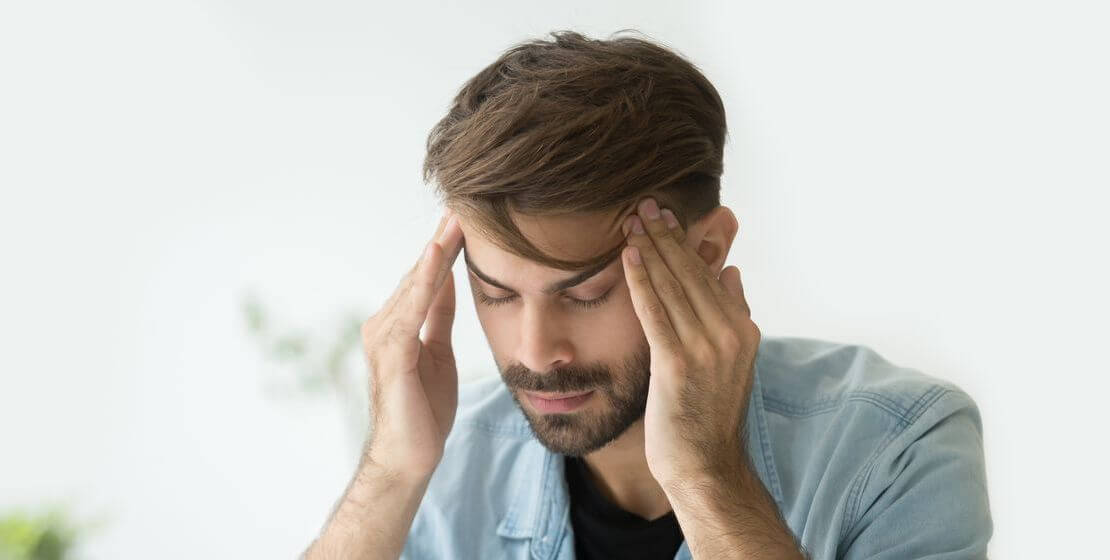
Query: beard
[621, 401]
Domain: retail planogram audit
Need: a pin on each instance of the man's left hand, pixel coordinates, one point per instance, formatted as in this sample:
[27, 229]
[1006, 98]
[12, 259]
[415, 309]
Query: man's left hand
[703, 348]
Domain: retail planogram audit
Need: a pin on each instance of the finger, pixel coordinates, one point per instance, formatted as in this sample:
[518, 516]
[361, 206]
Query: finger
[411, 309]
[441, 380]
[443, 220]
[726, 299]
[404, 286]
[666, 287]
[730, 278]
[441, 315]
[649, 308]
[451, 240]
[686, 265]
[434, 265]
[447, 212]
[719, 291]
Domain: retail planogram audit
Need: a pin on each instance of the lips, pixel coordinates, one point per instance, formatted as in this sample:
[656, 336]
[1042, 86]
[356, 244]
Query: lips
[558, 402]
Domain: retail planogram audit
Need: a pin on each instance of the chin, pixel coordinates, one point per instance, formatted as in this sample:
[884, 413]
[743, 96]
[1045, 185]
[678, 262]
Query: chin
[576, 433]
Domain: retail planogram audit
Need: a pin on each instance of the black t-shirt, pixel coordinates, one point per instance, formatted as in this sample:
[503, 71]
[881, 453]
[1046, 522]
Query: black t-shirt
[602, 530]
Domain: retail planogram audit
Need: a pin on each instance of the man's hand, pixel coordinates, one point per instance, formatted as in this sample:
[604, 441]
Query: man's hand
[413, 393]
[413, 381]
[703, 346]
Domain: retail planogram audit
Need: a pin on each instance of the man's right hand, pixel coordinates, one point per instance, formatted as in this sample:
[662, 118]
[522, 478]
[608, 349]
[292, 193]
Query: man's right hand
[413, 379]
[414, 389]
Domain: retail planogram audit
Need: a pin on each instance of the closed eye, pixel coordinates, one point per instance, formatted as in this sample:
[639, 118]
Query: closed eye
[582, 303]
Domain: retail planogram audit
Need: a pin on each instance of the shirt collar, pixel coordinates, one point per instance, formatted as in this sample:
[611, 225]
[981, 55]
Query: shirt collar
[540, 510]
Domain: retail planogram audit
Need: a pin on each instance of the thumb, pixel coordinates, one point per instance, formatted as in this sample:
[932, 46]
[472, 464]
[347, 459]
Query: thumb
[730, 277]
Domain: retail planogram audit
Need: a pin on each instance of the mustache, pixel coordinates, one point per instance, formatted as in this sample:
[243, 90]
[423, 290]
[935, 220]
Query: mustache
[570, 379]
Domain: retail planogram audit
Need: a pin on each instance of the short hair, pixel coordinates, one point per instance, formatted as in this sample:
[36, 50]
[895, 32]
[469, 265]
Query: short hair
[578, 125]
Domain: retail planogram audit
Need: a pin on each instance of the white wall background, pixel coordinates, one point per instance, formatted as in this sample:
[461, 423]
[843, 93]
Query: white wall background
[926, 178]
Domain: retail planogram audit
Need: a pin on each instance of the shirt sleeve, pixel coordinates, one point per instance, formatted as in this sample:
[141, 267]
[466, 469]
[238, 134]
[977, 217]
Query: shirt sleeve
[925, 494]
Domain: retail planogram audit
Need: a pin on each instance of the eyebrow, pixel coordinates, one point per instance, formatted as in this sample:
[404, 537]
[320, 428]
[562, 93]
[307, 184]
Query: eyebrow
[571, 282]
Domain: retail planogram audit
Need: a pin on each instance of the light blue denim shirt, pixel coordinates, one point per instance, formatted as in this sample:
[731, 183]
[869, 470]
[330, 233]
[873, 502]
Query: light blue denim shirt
[865, 459]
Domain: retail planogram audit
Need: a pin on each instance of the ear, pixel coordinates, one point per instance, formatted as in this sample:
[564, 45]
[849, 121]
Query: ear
[712, 236]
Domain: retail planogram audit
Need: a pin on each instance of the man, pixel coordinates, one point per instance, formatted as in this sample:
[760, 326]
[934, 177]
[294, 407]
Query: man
[639, 412]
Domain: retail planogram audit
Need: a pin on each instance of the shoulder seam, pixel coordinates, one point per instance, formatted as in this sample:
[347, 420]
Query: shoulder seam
[903, 414]
[855, 494]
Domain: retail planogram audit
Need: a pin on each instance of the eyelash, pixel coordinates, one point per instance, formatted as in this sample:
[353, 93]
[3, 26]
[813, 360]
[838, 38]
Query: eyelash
[583, 303]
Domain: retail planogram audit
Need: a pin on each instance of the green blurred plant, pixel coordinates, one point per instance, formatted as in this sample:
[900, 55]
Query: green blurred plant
[50, 535]
[329, 362]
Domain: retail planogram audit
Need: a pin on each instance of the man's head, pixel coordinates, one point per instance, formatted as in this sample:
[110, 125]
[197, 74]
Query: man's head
[542, 155]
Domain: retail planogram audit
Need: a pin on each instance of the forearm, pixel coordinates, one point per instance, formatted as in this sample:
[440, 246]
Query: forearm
[373, 518]
[729, 514]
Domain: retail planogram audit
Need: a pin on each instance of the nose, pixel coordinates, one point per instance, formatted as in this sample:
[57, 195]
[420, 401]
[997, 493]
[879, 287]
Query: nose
[543, 346]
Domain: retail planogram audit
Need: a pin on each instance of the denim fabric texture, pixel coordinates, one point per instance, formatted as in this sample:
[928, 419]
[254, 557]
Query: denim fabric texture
[865, 459]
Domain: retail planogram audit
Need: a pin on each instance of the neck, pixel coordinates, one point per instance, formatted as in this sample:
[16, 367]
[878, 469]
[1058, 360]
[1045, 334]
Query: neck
[620, 471]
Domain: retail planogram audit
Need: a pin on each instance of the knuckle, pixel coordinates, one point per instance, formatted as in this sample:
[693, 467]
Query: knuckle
[658, 228]
[387, 337]
[734, 303]
[393, 335]
[444, 311]
[679, 362]
[691, 268]
[671, 288]
[703, 353]
[370, 325]
[661, 324]
[442, 351]
[757, 335]
[404, 283]
[419, 283]
[729, 342]
[720, 291]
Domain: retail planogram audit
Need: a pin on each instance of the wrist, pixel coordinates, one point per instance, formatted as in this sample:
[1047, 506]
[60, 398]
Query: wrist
[357, 527]
[376, 468]
[730, 469]
[376, 486]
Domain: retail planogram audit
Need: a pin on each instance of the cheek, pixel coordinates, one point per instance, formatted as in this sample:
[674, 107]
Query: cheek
[614, 330]
[500, 324]
[494, 320]
[620, 307]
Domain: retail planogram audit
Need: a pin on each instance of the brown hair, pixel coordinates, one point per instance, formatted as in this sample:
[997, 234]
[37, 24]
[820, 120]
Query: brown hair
[578, 125]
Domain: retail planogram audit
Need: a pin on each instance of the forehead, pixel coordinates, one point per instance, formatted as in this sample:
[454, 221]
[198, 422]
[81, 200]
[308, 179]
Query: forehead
[577, 237]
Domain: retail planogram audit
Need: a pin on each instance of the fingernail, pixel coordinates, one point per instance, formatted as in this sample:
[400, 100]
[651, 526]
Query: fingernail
[668, 217]
[637, 225]
[649, 208]
[447, 227]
